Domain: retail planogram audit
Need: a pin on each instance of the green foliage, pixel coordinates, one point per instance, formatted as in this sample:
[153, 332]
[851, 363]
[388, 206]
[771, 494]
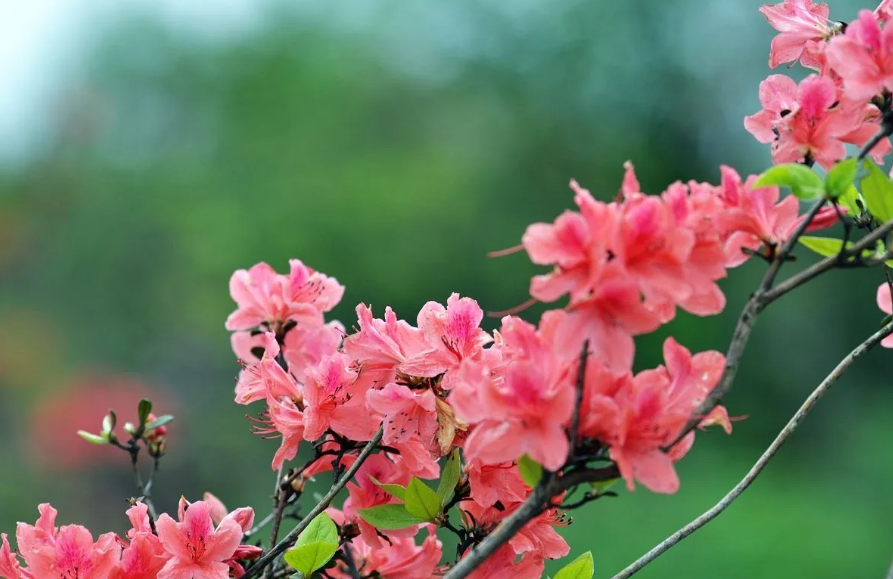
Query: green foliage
[825, 246]
[531, 471]
[421, 501]
[877, 190]
[160, 421]
[449, 477]
[143, 410]
[92, 438]
[841, 177]
[390, 517]
[395, 490]
[580, 568]
[801, 180]
[315, 545]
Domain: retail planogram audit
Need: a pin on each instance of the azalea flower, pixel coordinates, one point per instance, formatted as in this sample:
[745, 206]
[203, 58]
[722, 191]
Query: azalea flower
[197, 549]
[863, 57]
[885, 303]
[803, 27]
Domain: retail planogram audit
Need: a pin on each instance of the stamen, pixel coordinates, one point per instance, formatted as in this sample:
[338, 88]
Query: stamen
[515, 310]
[507, 251]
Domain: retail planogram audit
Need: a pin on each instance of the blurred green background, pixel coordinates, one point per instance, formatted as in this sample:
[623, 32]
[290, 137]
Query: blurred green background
[391, 145]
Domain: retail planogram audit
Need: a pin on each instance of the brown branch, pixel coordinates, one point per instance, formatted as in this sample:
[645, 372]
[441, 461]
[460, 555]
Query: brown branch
[762, 297]
[757, 468]
[578, 400]
[323, 504]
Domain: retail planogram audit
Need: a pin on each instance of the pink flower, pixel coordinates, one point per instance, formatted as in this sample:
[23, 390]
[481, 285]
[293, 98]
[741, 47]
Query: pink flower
[885, 303]
[408, 412]
[502, 564]
[803, 27]
[520, 409]
[382, 346]
[68, 551]
[333, 399]
[811, 121]
[144, 557]
[491, 483]
[863, 57]
[266, 378]
[538, 536]
[399, 559]
[453, 334]
[9, 565]
[263, 296]
[417, 459]
[305, 346]
[197, 549]
[287, 420]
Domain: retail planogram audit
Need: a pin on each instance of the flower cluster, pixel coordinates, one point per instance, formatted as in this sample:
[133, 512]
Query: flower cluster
[845, 101]
[205, 542]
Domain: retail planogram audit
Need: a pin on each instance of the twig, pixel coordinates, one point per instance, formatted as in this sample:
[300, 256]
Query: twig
[758, 301]
[770, 452]
[549, 486]
[890, 571]
[578, 400]
[287, 541]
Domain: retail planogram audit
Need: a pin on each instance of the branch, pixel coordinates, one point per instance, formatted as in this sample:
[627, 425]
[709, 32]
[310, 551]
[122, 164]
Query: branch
[287, 541]
[890, 571]
[578, 400]
[757, 468]
[762, 297]
[536, 503]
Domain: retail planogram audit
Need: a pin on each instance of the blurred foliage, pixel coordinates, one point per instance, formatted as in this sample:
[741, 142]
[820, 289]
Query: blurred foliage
[392, 148]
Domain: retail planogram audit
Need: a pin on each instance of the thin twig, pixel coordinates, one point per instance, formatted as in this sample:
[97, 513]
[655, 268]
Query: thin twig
[757, 303]
[323, 504]
[770, 452]
[578, 400]
[890, 571]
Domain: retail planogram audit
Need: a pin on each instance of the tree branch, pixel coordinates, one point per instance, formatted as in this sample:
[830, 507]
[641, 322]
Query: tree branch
[289, 539]
[757, 468]
[578, 400]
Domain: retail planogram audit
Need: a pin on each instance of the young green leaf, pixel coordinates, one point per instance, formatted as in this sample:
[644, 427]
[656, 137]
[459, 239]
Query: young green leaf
[449, 478]
[800, 179]
[160, 421]
[395, 490]
[320, 530]
[309, 557]
[825, 246]
[144, 409]
[531, 471]
[92, 438]
[601, 486]
[421, 501]
[109, 422]
[877, 190]
[840, 177]
[389, 517]
[580, 568]
[852, 200]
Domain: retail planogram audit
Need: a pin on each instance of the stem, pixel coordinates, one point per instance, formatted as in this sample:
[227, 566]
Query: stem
[287, 541]
[757, 468]
[578, 400]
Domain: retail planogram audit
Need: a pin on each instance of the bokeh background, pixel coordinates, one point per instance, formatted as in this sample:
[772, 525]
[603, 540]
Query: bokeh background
[148, 149]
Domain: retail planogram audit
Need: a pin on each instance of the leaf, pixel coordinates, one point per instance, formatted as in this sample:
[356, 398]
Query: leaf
[800, 179]
[109, 422]
[92, 438]
[309, 557]
[389, 517]
[601, 486]
[320, 530]
[144, 409]
[531, 471]
[421, 501]
[841, 177]
[160, 421]
[396, 490]
[580, 568]
[825, 246]
[852, 200]
[449, 477]
[878, 192]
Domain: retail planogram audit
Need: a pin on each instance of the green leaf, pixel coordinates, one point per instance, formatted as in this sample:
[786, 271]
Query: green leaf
[109, 422]
[601, 486]
[852, 200]
[800, 179]
[389, 517]
[144, 409]
[449, 477]
[580, 568]
[320, 530]
[92, 438]
[841, 177]
[421, 501]
[531, 471]
[878, 192]
[396, 490]
[826, 246]
[160, 421]
[309, 557]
